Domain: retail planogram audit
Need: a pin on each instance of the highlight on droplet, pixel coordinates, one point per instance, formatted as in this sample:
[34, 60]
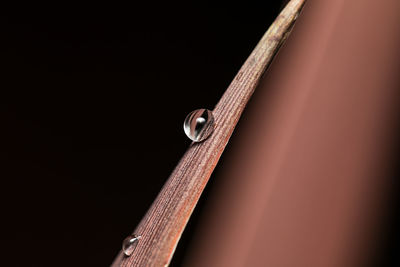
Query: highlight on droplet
[199, 124]
[129, 244]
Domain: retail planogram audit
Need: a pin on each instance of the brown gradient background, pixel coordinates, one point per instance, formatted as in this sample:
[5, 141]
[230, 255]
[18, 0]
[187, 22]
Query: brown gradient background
[305, 180]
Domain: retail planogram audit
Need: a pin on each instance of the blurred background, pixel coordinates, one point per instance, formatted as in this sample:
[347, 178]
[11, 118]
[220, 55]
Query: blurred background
[94, 100]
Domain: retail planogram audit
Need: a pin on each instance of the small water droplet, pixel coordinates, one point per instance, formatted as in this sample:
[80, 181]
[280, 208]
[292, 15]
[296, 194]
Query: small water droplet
[129, 244]
[199, 124]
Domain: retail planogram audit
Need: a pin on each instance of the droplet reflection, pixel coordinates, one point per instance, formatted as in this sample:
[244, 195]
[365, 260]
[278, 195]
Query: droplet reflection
[199, 124]
[129, 244]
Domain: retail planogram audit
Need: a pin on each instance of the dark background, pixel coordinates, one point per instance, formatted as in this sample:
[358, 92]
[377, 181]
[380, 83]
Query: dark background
[92, 113]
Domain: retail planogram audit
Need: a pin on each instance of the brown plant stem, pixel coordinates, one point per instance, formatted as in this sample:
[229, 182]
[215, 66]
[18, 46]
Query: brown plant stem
[162, 226]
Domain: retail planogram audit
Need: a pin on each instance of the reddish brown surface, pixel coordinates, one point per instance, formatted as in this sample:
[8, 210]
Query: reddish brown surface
[166, 219]
[304, 180]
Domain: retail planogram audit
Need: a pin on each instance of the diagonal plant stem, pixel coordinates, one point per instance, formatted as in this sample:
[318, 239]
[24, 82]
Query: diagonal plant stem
[163, 224]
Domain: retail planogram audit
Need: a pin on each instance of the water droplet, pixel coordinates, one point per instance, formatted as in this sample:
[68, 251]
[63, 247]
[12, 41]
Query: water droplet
[199, 124]
[129, 244]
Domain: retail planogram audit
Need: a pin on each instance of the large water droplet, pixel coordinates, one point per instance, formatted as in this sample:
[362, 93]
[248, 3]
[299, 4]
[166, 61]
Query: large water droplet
[199, 124]
[129, 244]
